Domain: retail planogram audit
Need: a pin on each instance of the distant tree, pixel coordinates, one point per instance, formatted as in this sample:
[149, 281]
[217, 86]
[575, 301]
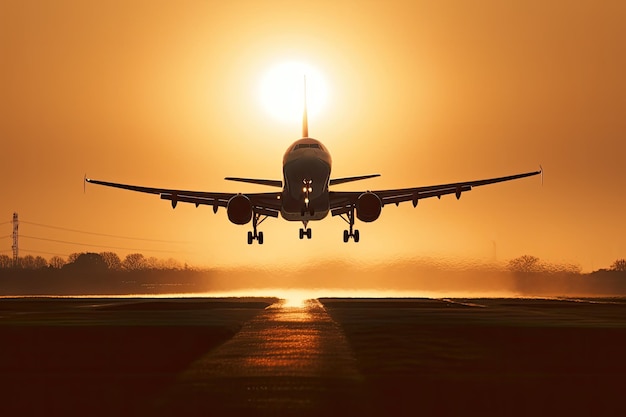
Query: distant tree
[568, 268]
[40, 262]
[112, 260]
[27, 262]
[153, 263]
[556, 268]
[6, 261]
[56, 262]
[134, 262]
[525, 263]
[88, 261]
[73, 256]
[171, 263]
[619, 265]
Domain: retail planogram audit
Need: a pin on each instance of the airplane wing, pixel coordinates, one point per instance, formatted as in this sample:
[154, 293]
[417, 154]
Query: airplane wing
[335, 181]
[342, 202]
[264, 203]
[271, 183]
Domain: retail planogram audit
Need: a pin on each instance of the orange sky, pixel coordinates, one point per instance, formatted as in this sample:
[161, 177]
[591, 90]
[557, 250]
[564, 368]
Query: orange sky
[421, 92]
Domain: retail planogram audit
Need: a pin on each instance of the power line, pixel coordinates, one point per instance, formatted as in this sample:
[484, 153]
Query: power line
[96, 246]
[101, 234]
[45, 253]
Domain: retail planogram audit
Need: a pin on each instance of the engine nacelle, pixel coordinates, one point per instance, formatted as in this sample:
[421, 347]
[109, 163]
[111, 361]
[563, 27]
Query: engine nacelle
[239, 209]
[368, 207]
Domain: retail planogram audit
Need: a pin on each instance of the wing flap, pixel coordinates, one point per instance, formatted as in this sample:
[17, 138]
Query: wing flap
[266, 212]
[415, 196]
[175, 198]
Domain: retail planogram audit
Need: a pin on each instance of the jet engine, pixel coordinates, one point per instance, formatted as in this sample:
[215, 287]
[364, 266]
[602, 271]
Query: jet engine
[368, 207]
[239, 209]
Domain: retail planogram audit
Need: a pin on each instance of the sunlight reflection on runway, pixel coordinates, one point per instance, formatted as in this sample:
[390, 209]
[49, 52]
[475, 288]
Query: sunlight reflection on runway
[288, 332]
[285, 358]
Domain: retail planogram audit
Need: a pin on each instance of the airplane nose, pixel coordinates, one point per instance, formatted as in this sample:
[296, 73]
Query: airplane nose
[311, 176]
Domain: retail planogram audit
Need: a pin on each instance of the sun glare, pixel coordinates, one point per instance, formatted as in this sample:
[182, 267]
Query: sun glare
[282, 91]
[296, 299]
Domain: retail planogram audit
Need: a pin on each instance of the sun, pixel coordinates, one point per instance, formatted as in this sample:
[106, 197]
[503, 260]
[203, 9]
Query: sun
[281, 91]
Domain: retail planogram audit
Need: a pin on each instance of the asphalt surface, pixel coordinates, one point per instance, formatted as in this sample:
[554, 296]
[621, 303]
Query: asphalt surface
[289, 360]
[332, 357]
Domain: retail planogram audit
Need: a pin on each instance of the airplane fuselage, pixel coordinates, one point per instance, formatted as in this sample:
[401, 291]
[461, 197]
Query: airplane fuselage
[306, 175]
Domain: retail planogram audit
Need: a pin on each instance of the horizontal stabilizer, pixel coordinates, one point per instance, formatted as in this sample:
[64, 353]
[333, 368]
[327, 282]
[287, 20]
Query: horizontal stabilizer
[336, 181]
[271, 183]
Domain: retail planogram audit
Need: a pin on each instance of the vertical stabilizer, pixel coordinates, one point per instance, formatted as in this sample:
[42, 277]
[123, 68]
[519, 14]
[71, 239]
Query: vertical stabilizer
[305, 122]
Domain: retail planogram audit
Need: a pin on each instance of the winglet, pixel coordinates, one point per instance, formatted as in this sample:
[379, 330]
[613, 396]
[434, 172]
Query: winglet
[85, 184]
[305, 123]
[541, 172]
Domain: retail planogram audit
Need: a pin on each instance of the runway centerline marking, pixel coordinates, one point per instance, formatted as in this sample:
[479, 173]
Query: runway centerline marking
[448, 300]
[286, 357]
[582, 300]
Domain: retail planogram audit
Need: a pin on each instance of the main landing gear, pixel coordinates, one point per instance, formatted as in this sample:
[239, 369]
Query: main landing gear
[254, 235]
[352, 233]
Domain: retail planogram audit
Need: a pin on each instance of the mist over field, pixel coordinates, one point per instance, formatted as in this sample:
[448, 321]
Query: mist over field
[419, 277]
[425, 277]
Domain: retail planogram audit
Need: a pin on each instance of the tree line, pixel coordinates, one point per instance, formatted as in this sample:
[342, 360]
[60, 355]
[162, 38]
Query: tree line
[92, 260]
[532, 264]
[137, 262]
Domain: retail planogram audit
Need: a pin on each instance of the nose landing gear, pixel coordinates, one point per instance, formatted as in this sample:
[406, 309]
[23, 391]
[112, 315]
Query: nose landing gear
[306, 232]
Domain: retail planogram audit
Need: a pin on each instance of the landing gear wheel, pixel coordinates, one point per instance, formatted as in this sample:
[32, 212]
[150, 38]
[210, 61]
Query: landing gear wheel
[306, 233]
[254, 234]
[351, 233]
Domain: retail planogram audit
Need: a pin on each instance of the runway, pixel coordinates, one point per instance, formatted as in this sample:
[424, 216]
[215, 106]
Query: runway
[447, 356]
[289, 360]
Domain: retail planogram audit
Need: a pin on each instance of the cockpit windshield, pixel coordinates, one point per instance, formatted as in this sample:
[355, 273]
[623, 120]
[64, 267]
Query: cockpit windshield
[307, 145]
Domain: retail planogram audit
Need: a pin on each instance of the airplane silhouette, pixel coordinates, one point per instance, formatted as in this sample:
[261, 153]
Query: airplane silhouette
[306, 195]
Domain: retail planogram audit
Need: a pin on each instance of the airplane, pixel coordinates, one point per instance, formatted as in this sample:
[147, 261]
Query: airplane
[306, 194]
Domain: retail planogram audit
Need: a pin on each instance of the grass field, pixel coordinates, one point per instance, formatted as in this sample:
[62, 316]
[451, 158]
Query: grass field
[428, 357]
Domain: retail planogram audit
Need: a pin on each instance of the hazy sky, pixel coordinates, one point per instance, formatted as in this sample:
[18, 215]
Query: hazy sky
[167, 94]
